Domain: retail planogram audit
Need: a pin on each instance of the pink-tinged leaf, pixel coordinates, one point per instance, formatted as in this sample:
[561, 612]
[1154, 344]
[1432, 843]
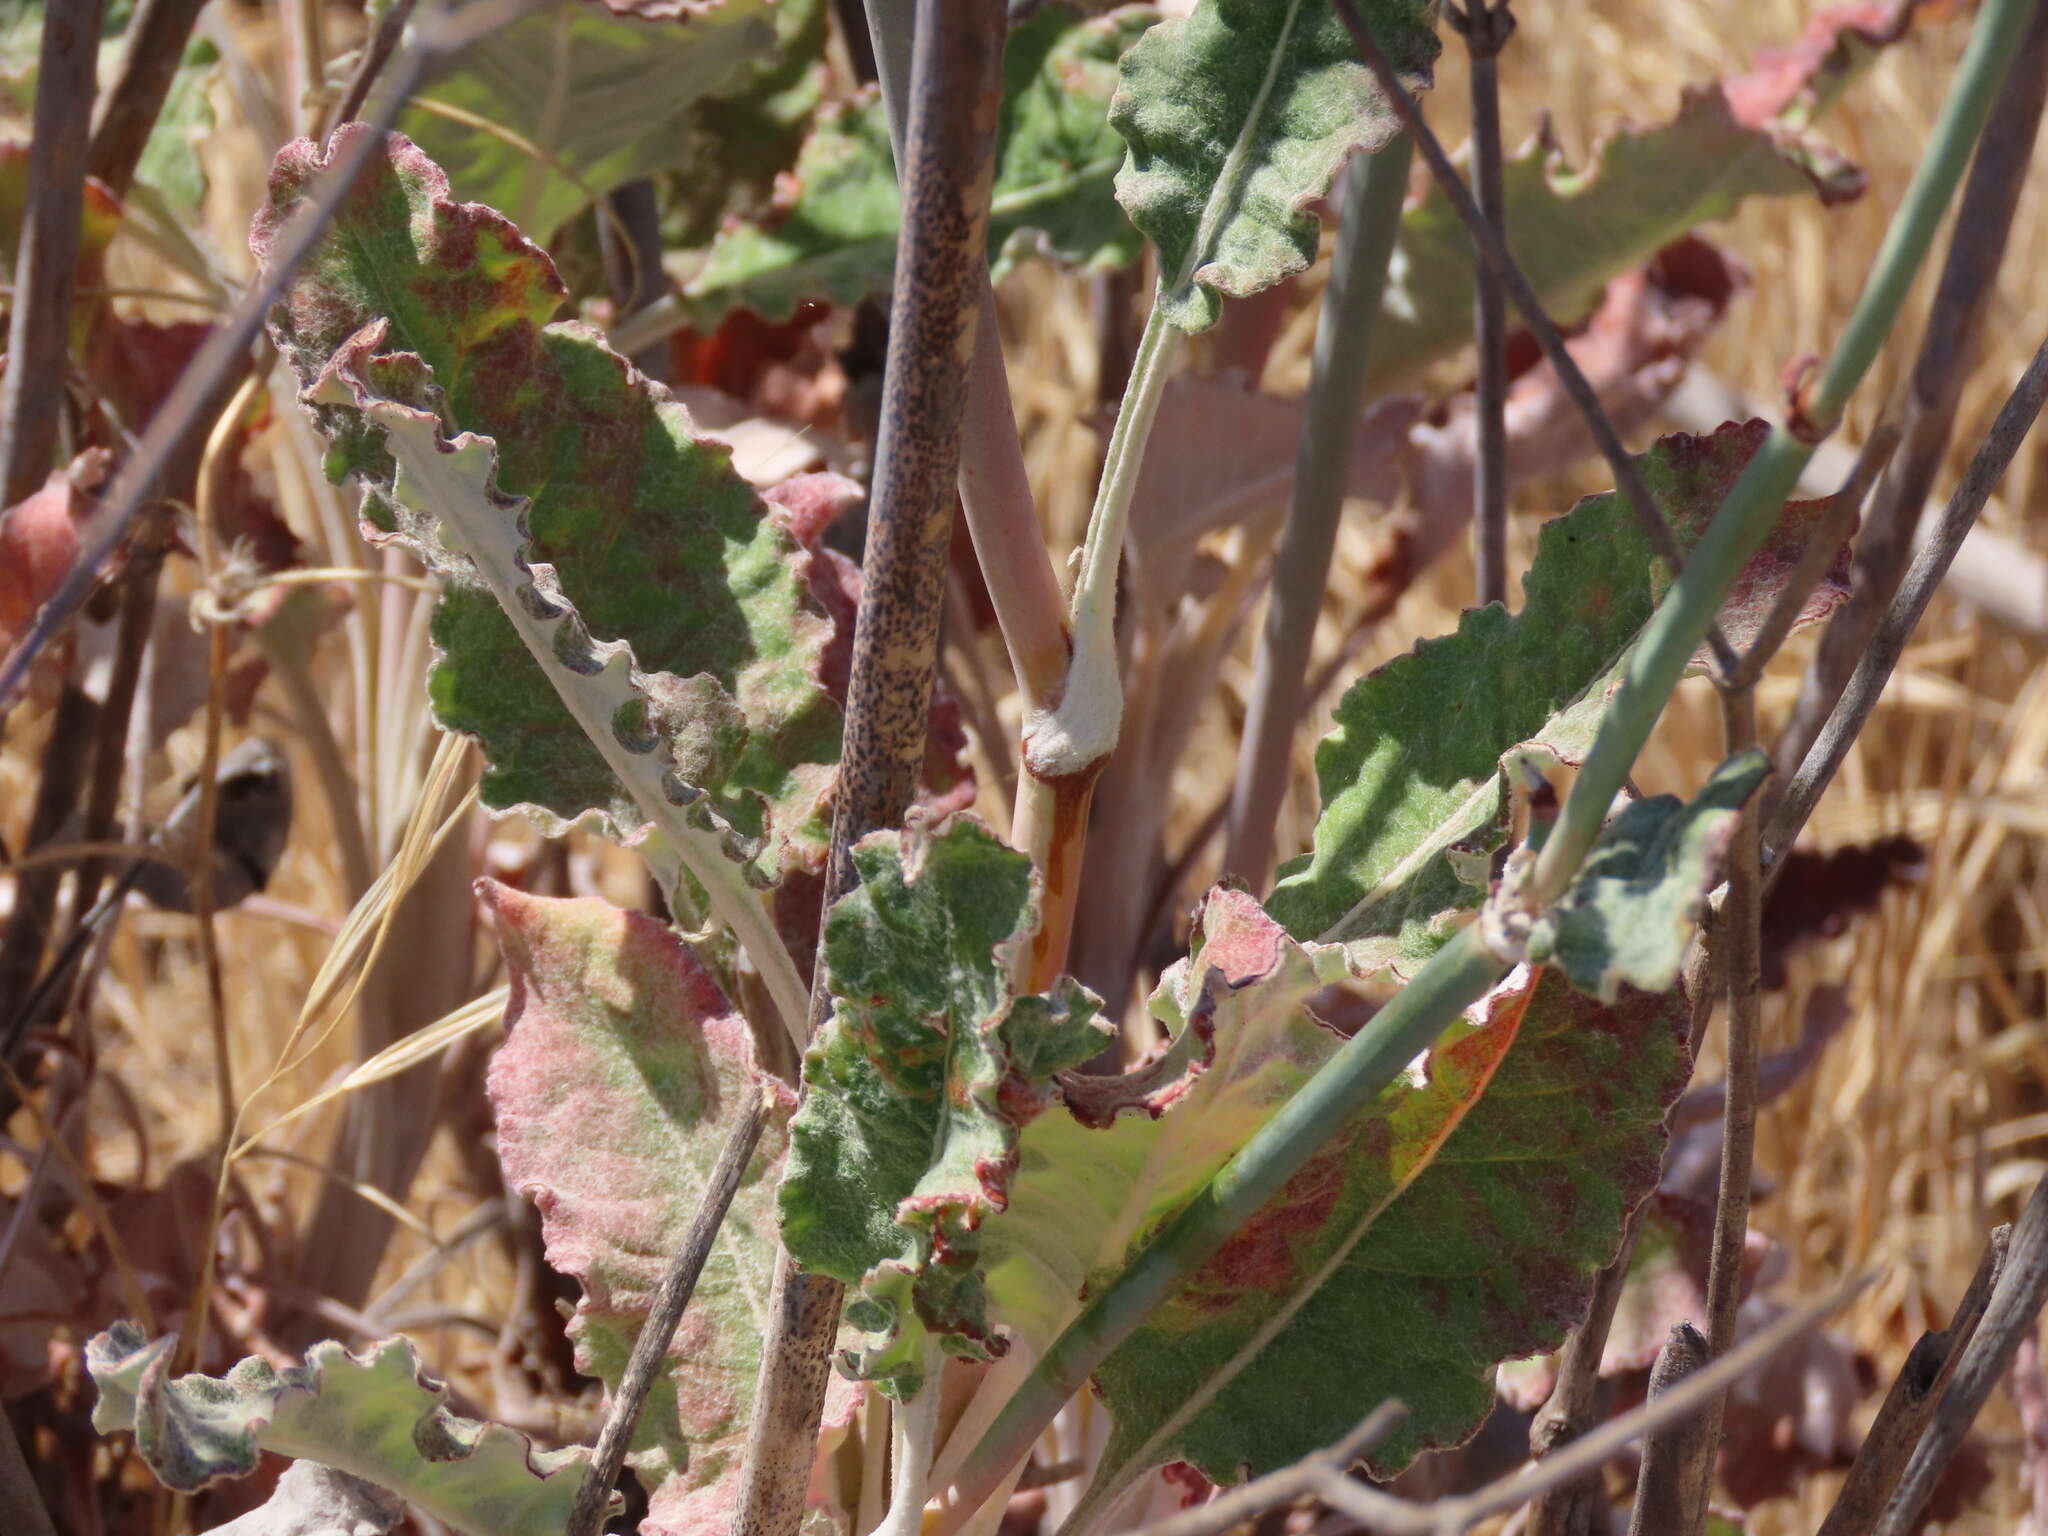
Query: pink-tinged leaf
[621, 1074]
[1456, 1222]
[919, 1087]
[1409, 810]
[39, 540]
[1220, 452]
[1641, 188]
[419, 310]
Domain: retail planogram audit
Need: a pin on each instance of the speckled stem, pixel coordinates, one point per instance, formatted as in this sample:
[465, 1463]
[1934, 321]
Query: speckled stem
[940, 259]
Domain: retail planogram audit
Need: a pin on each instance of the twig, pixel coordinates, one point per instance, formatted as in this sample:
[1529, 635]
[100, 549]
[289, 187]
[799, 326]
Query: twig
[671, 1296]
[1288, 1484]
[45, 268]
[376, 54]
[1494, 255]
[1739, 940]
[940, 271]
[1866, 685]
[1573, 1401]
[1915, 1392]
[215, 369]
[1373, 188]
[1670, 1456]
[154, 48]
[27, 929]
[2008, 1317]
[1486, 26]
[1947, 350]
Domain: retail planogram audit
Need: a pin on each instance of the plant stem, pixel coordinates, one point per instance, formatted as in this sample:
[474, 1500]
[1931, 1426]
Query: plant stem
[1947, 349]
[1866, 686]
[671, 1296]
[1753, 505]
[154, 46]
[32, 391]
[1486, 28]
[1740, 937]
[1493, 254]
[914, 1428]
[1671, 1456]
[940, 274]
[1373, 188]
[1457, 977]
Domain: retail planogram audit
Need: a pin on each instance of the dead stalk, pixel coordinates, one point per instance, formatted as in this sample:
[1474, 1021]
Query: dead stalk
[940, 274]
[1486, 26]
[154, 47]
[1671, 1455]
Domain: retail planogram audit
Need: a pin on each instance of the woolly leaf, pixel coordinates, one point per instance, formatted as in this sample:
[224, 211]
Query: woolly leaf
[918, 1087]
[544, 116]
[1629, 915]
[377, 1415]
[623, 1069]
[833, 234]
[1573, 230]
[1413, 777]
[1457, 1222]
[569, 473]
[1238, 117]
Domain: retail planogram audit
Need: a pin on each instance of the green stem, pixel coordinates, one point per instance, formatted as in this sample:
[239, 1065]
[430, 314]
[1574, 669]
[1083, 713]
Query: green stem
[1082, 729]
[1681, 622]
[1459, 976]
[1374, 186]
[1462, 971]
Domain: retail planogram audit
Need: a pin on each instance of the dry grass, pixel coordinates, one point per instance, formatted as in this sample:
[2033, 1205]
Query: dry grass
[1926, 1120]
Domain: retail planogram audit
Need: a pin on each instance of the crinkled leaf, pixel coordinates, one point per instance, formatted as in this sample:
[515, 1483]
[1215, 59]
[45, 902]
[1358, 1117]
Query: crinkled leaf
[1413, 780]
[1640, 189]
[545, 115]
[1457, 1222]
[417, 313]
[1237, 118]
[919, 1084]
[623, 1070]
[833, 233]
[377, 1415]
[1629, 914]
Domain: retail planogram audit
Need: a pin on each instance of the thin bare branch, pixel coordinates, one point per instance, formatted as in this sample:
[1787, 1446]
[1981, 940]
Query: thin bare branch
[1494, 255]
[2008, 431]
[671, 1296]
[377, 51]
[1305, 1477]
[2009, 1316]
[1915, 1392]
[45, 267]
[1949, 348]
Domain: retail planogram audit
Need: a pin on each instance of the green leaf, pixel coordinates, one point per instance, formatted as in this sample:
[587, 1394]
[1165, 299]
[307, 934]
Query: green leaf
[918, 1086]
[1630, 913]
[1131, 1150]
[545, 116]
[1238, 117]
[1457, 1222]
[1641, 188]
[623, 1070]
[423, 317]
[1414, 777]
[377, 1415]
[833, 236]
